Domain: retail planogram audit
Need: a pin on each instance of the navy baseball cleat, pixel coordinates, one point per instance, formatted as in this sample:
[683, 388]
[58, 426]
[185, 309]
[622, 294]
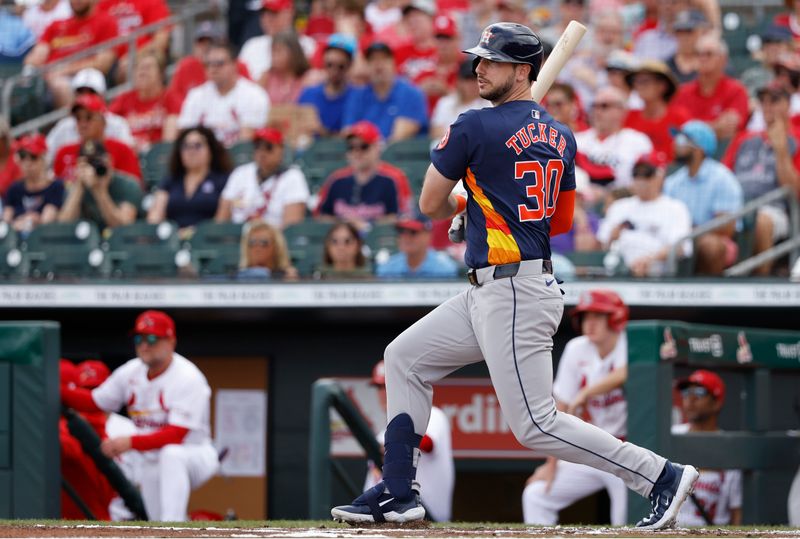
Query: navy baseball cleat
[666, 500]
[378, 505]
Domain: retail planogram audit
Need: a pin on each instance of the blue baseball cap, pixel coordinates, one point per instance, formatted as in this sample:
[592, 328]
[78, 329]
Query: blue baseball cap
[343, 42]
[699, 134]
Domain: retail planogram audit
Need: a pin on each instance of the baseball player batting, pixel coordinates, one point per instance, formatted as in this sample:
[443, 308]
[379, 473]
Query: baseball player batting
[517, 163]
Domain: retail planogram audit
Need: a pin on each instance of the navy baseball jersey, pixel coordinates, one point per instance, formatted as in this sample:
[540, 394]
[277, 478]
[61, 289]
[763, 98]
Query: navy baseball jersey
[514, 159]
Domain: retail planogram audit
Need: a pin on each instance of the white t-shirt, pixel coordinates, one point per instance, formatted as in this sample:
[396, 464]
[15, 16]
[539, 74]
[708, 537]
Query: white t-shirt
[656, 224]
[37, 20]
[435, 471]
[256, 53]
[620, 151]
[449, 107]
[718, 491]
[379, 18]
[266, 200]
[179, 396]
[582, 366]
[66, 132]
[246, 105]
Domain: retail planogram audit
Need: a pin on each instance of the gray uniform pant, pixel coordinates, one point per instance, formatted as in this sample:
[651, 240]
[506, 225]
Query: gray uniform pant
[509, 323]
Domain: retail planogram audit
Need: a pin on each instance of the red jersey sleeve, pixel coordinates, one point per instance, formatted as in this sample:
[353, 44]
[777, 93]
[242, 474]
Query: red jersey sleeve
[79, 399]
[561, 221]
[730, 153]
[170, 434]
[59, 164]
[125, 160]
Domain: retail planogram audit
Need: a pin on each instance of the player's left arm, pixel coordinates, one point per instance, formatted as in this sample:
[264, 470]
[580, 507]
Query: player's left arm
[436, 200]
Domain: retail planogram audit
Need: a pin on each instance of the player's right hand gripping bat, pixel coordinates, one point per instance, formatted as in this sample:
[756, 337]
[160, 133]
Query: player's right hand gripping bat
[562, 52]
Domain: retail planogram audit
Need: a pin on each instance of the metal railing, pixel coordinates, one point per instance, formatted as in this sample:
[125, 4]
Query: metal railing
[790, 245]
[187, 18]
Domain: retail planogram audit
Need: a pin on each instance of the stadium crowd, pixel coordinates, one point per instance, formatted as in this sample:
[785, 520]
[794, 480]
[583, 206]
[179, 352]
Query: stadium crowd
[676, 125]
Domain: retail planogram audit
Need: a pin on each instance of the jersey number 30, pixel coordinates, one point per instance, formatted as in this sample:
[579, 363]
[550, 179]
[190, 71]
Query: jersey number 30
[544, 189]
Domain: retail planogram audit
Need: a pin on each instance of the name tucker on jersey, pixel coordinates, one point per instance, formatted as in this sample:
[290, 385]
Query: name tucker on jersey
[536, 132]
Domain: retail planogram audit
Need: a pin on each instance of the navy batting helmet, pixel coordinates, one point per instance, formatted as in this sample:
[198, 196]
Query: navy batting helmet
[509, 42]
[601, 301]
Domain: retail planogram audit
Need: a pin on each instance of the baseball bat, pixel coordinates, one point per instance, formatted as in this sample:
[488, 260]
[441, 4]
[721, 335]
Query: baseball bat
[555, 62]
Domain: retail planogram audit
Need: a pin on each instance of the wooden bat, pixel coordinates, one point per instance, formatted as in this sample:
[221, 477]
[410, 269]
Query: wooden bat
[555, 62]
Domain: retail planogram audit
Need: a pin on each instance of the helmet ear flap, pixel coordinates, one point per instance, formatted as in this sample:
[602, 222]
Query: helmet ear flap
[475, 62]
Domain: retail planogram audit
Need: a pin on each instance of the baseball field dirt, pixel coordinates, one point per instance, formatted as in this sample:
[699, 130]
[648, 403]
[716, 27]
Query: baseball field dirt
[308, 529]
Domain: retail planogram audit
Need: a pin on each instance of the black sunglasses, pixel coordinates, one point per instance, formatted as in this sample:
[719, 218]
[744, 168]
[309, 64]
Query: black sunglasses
[695, 391]
[23, 155]
[149, 339]
[358, 147]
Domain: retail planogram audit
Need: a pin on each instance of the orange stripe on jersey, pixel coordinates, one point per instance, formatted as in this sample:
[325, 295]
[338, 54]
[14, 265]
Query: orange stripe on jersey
[503, 248]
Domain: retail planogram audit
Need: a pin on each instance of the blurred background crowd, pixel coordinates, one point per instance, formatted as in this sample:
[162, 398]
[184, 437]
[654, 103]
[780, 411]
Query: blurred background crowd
[289, 140]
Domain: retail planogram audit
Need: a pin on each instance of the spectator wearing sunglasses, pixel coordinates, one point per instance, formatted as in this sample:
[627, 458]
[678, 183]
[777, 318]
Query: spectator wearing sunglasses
[368, 190]
[329, 97]
[416, 258]
[264, 254]
[36, 198]
[198, 169]
[343, 254]
[265, 188]
[717, 498]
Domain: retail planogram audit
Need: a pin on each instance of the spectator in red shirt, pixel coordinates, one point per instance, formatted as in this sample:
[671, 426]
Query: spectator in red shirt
[656, 85]
[89, 113]
[9, 171]
[714, 97]
[148, 105]
[132, 15]
[191, 72]
[86, 28]
[286, 76]
[418, 55]
[441, 80]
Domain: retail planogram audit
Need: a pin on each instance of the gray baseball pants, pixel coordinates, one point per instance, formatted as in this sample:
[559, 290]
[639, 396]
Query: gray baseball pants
[509, 323]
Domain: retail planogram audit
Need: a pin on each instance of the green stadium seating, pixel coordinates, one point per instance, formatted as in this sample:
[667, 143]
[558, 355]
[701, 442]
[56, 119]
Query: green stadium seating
[11, 259]
[215, 248]
[746, 237]
[155, 164]
[321, 158]
[382, 237]
[306, 243]
[144, 250]
[28, 100]
[241, 153]
[58, 250]
[588, 262]
[412, 157]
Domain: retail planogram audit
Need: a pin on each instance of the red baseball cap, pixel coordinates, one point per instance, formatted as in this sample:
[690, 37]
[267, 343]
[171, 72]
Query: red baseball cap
[90, 102]
[365, 130]
[92, 373]
[68, 372]
[156, 323]
[276, 5]
[269, 134]
[34, 144]
[417, 222]
[444, 26]
[707, 379]
[654, 159]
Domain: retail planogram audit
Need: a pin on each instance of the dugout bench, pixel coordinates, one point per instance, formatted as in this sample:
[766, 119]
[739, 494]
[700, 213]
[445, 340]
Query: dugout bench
[761, 370]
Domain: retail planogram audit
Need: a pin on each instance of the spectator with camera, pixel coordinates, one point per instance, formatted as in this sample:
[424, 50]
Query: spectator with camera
[198, 170]
[89, 112]
[37, 197]
[265, 189]
[644, 227]
[99, 193]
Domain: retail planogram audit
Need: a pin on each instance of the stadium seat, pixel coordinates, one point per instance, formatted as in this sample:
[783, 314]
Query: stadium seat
[144, 250]
[305, 242]
[241, 153]
[215, 248]
[155, 164]
[28, 100]
[59, 250]
[412, 157]
[322, 158]
[382, 238]
[590, 262]
[11, 259]
[746, 237]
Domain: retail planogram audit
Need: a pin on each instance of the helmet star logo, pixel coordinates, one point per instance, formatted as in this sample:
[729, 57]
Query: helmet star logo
[486, 36]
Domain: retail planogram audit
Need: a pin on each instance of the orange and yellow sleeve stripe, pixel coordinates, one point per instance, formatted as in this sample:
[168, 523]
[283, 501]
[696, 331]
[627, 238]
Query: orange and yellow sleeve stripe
[503, 248]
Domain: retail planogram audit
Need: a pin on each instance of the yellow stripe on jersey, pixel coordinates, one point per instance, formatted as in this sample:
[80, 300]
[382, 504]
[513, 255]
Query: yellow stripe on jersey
[503, 248]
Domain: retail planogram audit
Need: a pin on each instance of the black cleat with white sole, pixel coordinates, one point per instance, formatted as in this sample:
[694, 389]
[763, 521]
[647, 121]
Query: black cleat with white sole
[666, 501]
[377, 505]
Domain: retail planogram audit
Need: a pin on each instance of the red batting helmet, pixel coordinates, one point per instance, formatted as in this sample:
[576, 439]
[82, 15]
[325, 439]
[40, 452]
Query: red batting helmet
[379, 374]
[601, 301]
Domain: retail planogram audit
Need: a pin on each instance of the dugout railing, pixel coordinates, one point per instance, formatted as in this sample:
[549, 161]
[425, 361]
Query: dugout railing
[761, 369]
